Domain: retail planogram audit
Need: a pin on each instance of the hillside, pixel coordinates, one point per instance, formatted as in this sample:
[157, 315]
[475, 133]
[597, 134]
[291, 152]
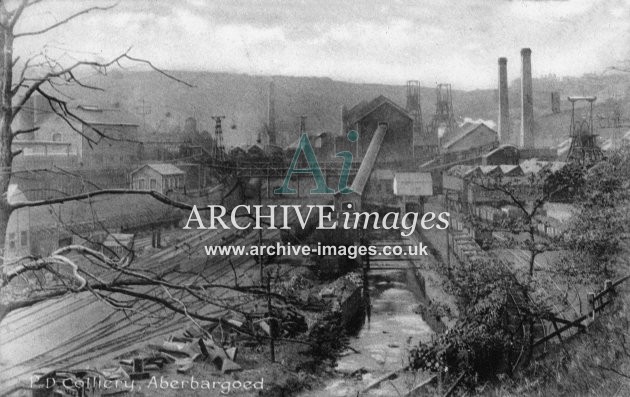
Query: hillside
[164, 104]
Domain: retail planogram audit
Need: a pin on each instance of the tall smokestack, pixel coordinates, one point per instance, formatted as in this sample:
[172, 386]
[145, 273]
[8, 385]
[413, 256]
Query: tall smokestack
[526, 138]
[271, 114]
[504, 105]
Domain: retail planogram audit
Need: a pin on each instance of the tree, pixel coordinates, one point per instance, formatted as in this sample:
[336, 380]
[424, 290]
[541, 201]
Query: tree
[119, 281]
[500, 303]
[599, 229]
[528, 195]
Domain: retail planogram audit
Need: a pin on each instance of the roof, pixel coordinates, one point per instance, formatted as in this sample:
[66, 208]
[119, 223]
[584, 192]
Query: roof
[118, 239]
[15, 194]
[104, 116]
[162, 169]
[489, 169]
[533, 166]
[383, 174]
[466, 171]
[467, 129]
[413, 184]
[511, 170]
[363, 109]
[460, 170]
[311, 138]
[255, 149]
[111, 211]
[429, 163]
[371, 154]
[500, 149]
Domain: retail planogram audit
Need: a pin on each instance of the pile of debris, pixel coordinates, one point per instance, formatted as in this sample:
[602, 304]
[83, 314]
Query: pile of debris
[193, 345]
[177, 352]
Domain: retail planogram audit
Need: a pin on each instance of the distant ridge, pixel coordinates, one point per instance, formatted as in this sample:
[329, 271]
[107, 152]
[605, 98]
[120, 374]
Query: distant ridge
[164, 104]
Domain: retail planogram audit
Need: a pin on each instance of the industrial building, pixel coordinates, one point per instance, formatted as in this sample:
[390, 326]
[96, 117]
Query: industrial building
[162, 178]
[41, 230]
[397, 147]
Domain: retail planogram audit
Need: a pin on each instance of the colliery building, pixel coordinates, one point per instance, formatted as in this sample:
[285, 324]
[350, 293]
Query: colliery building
[397, 148]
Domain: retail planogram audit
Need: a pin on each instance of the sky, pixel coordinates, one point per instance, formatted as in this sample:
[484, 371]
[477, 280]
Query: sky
[364, 41]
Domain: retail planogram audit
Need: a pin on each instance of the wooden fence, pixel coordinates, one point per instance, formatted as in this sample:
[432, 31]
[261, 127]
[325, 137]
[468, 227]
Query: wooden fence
[597, 302]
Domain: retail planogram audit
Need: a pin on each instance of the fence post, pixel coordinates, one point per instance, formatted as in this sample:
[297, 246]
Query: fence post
[590, 297]
[608, 285]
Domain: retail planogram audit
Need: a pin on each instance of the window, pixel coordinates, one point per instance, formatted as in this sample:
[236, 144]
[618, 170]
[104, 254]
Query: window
[24, 238]
[12, 240]
[56, 137]
[153, 184]
[142, 184]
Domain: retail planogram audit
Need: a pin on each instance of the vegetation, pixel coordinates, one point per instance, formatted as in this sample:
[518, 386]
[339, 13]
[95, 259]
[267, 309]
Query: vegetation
[490, 336]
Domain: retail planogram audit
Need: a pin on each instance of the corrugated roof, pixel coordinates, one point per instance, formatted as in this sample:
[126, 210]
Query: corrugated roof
[365, 169]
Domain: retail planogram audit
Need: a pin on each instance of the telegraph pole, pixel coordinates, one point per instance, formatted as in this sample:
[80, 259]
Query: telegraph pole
[448, 242]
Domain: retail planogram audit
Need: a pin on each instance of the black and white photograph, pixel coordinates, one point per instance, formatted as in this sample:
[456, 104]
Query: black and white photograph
[282, 198]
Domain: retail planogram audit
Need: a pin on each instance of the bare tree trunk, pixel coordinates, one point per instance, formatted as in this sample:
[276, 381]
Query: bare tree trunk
[6, 116]
[532, 252]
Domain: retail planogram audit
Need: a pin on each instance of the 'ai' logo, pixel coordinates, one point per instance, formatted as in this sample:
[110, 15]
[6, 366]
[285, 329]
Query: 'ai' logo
[304, 146]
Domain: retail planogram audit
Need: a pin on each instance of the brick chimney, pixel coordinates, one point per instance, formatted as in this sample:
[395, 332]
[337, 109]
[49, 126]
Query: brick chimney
[504, 105]
[271, 114]
[526, 138]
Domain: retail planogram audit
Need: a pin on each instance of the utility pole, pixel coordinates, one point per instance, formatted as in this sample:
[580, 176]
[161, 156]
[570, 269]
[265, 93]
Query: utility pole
[272, 321]
[366, 283]
[260, 258]
[448, 242]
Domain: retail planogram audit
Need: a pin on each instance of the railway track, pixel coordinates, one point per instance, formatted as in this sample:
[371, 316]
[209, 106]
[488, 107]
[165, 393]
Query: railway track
[79, 329]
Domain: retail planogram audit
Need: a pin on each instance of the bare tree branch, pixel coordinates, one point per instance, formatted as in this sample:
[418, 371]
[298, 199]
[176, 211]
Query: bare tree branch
[157, 195]
[60, 23]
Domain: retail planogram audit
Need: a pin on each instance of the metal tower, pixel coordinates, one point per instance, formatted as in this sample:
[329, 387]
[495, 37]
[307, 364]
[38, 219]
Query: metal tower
[444, 119]
[584, 149]
[219, 147]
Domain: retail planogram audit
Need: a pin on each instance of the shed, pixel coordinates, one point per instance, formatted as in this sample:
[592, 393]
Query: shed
[413, 184]
[471, 136]
[161, 177]
[118, 243]
[410, 188]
